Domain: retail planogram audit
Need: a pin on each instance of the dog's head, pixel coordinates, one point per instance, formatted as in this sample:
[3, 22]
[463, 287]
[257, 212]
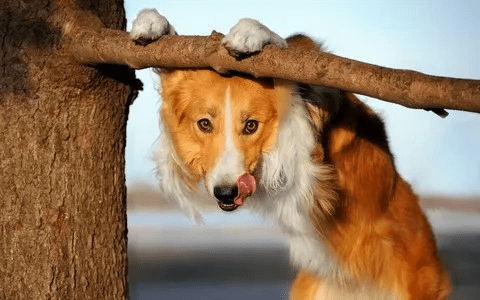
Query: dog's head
[220, 127]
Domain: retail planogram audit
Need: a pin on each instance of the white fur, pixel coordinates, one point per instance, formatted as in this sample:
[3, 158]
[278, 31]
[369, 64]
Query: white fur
[231, 164]
[332, 290]
[285, 191]
[249, 35]
[171, 185]
[149, 25]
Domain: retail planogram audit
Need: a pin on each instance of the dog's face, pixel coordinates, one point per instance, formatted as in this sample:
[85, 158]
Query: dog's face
[220, 127]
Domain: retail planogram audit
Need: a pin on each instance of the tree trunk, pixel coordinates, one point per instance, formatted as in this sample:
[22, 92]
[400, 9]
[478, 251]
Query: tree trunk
[62, 141]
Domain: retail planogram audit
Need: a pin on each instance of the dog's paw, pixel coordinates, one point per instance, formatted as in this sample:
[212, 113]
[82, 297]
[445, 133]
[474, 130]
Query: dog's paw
[249, 36]
[149, 26]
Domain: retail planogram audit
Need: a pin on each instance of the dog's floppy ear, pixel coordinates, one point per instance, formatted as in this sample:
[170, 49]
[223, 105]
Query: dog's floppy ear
[172, 83]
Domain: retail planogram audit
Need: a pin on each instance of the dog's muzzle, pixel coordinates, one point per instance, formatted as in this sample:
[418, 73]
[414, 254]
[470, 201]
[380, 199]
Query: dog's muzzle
[232, 196]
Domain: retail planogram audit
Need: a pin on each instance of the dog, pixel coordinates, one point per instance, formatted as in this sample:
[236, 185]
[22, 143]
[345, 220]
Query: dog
[314, 159]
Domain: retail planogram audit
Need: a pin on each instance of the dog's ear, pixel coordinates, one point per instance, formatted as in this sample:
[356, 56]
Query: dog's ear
[169, 76]
[300, 41]
[170, 83]
[284, 91]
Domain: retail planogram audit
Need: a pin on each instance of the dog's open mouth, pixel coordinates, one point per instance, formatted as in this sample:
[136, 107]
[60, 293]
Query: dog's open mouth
[227, 207]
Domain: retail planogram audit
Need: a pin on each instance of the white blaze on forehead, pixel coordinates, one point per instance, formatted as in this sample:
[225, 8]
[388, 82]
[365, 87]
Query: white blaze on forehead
[229, 166]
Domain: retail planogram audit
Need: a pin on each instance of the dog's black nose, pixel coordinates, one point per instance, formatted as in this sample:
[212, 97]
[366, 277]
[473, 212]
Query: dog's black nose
[226, 197]
[226, 194]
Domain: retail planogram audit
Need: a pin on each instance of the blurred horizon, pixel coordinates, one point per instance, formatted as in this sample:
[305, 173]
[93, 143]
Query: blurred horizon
[145, 196]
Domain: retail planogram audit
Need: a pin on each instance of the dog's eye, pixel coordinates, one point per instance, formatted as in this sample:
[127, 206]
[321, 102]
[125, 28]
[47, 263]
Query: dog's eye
[251, 127]
[205, 125]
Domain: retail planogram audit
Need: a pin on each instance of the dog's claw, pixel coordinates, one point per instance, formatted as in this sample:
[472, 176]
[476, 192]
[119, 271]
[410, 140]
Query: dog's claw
[248, 37]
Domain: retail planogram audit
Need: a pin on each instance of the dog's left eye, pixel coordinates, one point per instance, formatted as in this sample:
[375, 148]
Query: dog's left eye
[205, 125]
[250, 127]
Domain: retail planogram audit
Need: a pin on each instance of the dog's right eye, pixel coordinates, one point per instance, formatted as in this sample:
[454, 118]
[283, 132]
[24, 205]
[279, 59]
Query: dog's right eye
[205, 125]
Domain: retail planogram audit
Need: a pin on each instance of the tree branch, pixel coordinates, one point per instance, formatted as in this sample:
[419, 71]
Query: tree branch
[408, 88]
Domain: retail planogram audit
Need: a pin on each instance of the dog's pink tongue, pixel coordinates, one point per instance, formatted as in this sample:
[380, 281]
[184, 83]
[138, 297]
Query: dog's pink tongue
[246, 187]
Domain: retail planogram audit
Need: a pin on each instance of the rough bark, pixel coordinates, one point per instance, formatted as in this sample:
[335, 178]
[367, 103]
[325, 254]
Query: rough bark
[412, 89]
[62, 141]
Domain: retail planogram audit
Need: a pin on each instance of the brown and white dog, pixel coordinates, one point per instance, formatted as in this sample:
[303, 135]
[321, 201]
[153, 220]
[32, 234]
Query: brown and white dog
[314, 159]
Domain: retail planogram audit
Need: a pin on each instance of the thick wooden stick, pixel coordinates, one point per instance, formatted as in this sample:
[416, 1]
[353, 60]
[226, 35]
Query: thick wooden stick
[408, 88]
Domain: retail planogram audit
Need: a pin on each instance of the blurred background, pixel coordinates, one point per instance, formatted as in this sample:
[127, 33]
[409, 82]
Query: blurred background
[236, 255]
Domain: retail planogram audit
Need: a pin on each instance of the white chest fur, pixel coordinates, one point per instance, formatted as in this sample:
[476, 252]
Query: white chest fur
[286, 192]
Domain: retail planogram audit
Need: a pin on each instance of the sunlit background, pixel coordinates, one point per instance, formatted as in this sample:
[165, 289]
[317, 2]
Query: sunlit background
[439, 157]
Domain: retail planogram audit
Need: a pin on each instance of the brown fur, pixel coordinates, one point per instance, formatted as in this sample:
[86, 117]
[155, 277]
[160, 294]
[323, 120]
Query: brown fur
[378, 229]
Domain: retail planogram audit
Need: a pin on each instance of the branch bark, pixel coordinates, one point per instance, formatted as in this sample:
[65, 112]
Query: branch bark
[408, 88]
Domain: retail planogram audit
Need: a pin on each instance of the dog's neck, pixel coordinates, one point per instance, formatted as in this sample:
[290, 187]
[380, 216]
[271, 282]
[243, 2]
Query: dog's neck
[291, 187]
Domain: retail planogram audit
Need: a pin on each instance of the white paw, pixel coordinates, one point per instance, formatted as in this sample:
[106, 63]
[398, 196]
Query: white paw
[149, 26]
[249, 36]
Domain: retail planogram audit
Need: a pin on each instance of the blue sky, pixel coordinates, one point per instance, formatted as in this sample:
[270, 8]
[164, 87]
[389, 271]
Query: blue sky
[437, 156]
